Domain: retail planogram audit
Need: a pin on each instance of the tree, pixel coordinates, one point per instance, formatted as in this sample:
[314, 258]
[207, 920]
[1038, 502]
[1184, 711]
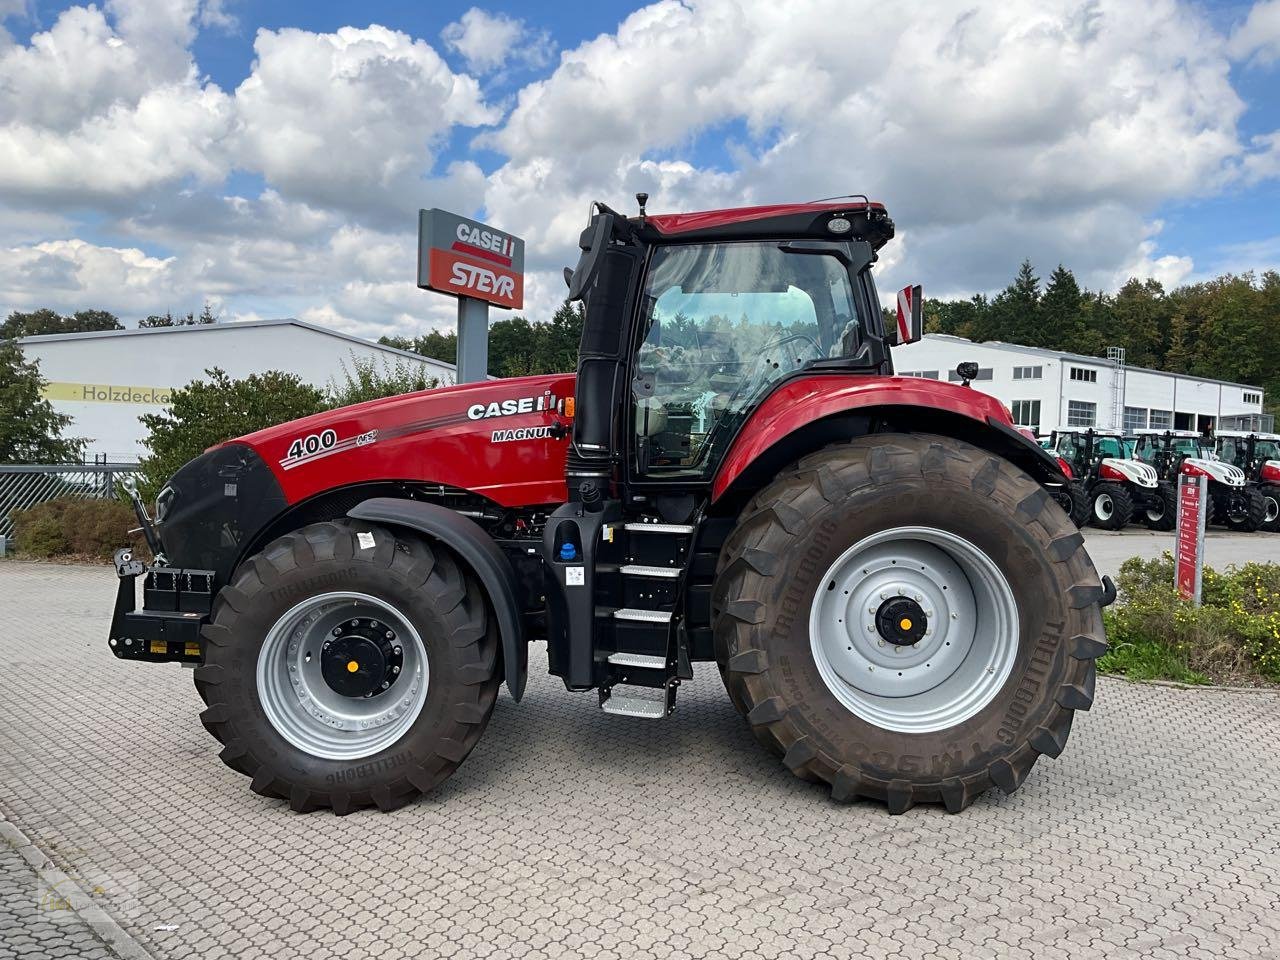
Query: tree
[167, 319]
[30, 428]
[1015, 313]
[208, 412]
[44, 321]
[1061, 313]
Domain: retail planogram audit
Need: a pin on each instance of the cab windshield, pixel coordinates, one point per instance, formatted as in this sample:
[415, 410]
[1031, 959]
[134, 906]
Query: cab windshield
[724, 322]
[1111, 447]
[1266, 449]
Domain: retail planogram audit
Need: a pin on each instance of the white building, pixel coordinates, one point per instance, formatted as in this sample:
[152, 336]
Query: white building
[1049, 389]
[106, 380]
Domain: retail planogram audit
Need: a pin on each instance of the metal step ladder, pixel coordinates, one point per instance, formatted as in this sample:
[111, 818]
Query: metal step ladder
[642, 671]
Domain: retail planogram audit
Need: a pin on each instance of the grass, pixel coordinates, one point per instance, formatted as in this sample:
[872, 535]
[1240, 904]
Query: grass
[1148, 660]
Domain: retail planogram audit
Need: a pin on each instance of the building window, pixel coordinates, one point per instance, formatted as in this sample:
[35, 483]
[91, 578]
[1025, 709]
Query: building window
[922, 374]
[1252, 397]
[984, 373]
[1028, 373]
[1081, 413]
[1161, 420]
[1135, 418]
[1084, 375]
[1026, 413]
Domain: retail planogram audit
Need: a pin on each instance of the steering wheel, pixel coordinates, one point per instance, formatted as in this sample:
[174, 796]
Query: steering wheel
[763, 364]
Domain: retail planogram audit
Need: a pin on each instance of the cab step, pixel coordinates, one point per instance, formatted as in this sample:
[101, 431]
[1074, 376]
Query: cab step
[635, 614]
[631, 701]
[642, 570]
[676, 528]
[644, 660]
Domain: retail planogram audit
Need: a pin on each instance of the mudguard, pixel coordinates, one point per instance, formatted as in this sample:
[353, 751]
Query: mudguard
[806, 400]
[485, 558]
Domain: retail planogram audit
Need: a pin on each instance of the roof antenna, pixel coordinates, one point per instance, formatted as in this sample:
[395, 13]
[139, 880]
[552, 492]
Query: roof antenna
[642, 199]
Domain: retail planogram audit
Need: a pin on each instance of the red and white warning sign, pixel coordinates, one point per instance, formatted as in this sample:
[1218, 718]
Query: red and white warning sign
[469, 259]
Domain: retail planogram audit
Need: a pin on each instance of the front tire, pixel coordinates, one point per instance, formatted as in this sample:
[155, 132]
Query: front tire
[1164, 516]
[891, 504]
[1073, 501]
[1248, 513]
[1111, 506]
[1271, 503]
[348, 667]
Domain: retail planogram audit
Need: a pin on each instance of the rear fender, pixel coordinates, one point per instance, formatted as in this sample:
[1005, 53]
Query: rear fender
[809, 413]
[478, 551]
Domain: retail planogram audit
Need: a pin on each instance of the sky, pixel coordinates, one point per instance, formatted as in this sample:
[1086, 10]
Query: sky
[270, 158]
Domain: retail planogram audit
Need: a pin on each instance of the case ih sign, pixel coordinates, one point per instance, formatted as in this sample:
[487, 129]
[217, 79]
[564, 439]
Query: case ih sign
[469, 259]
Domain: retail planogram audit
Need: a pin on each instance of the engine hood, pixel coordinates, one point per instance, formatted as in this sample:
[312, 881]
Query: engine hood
[502, 439]
[1135, 471]
[1217, 470]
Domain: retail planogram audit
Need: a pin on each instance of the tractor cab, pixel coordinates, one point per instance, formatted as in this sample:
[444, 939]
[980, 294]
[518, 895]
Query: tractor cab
[1233, 501]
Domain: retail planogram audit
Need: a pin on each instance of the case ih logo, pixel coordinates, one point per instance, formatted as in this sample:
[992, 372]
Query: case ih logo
[469, 259]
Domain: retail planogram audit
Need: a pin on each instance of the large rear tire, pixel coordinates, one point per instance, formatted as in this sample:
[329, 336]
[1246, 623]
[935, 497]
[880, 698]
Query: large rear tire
[1110, 506]
[348, 667]
[1073, 501]
[975, 553]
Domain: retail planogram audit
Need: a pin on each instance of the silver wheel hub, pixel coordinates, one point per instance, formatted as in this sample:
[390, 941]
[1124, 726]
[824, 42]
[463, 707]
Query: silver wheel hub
[1273, 510]
[891, 672]
[354, 706]
[1104, 507]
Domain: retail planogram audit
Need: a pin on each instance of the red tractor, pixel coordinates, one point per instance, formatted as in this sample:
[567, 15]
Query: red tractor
[898, 606]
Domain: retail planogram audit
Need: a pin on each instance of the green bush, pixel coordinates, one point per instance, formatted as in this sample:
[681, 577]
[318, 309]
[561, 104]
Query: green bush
[208, 412]
[1155, 634]
[74, 527]
[367, 379]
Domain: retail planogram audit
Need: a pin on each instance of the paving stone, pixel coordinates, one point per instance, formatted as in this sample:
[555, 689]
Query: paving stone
[572, 833]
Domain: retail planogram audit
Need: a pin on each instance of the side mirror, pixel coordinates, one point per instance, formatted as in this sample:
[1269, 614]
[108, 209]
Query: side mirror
[591, 243]
[910, 325]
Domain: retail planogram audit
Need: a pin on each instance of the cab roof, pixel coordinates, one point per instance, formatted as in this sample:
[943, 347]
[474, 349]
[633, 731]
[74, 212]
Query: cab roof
[1248, 433]
[866, 219]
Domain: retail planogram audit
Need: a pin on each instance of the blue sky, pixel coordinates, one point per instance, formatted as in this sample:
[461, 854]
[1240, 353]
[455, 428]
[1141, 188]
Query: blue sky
[269, 158]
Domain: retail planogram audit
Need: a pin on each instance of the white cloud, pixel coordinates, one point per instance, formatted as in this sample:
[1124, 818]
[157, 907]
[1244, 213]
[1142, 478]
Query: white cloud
[1021, 127]
[63, 271]
[1259, 36]
[213, 13]
[351, 120]
[488, 41]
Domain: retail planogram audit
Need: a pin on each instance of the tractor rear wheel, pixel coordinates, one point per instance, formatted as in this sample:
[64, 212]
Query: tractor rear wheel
[1162, 515]
[1271, 500]
[1111, 506]
[1245, 512]
[346, 666]
[908, 618]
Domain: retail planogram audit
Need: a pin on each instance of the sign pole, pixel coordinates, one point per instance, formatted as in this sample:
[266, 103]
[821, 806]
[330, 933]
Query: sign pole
[473, 340]
[1188, 567]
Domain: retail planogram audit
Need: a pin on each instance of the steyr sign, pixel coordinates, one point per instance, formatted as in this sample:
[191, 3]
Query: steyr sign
[465, 258]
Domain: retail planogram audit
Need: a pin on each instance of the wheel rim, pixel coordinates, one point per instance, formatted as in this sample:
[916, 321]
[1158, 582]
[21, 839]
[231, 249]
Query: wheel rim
[1155, 514]
[1104, 507]
[314, 697]
[957, 663]
[1273, 510]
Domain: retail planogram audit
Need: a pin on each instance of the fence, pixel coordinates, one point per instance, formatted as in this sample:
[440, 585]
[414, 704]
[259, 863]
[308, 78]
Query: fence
[24, 485]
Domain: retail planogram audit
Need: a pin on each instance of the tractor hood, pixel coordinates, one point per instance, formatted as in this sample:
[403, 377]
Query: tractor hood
[1134, 471]
[1217, 470]
[502, 439]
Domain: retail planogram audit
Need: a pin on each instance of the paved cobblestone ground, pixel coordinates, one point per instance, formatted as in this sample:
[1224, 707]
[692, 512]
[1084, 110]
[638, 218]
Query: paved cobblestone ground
[33, 924]
[572, 834]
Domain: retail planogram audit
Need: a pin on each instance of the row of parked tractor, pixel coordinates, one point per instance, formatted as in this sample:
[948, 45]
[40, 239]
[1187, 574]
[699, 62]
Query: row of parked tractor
[1117, 480]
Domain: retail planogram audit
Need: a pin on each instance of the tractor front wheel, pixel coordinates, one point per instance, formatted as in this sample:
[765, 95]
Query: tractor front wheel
[1073, 501]
[908, 618]
[1112, 506]
[1271, 507]
[1163, 513]
[346, 666]
[1246, 511]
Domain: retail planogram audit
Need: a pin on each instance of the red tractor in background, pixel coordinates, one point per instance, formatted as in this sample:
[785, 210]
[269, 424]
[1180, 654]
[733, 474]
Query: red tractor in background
[896, 603]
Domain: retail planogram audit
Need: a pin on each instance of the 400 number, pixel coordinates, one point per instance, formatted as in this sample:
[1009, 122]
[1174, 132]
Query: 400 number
[313, 443]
